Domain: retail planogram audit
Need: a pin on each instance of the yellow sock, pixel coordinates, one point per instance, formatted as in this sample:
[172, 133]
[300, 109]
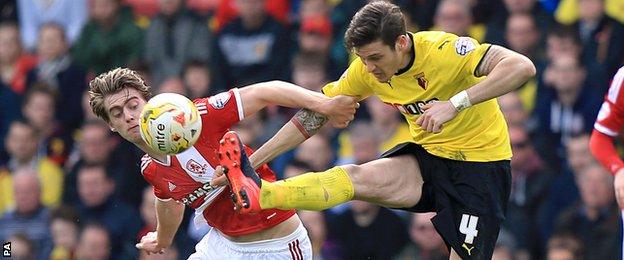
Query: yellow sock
[309, 191]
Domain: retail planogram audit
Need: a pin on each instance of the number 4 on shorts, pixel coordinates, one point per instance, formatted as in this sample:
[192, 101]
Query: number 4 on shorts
[468, 227]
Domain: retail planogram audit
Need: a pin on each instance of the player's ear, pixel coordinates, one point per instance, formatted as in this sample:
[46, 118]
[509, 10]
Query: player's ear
[402, 42]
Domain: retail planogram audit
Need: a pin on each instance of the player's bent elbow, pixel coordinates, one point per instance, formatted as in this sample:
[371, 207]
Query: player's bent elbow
[527, 68]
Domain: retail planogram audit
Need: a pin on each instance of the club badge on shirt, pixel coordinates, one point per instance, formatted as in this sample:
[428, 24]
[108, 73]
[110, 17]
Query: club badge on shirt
[464, 45]
[218, 101]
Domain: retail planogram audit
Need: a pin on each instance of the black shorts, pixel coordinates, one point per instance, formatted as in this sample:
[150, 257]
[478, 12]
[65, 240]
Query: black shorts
[470, 199]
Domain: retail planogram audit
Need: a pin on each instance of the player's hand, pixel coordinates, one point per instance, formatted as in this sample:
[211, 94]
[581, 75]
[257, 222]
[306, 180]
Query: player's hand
[435, 115]
[340, 110]
[618, 185]
[219, 177]
[149, 243]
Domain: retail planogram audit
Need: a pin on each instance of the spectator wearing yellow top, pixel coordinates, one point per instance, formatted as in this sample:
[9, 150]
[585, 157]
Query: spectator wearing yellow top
[21, 145]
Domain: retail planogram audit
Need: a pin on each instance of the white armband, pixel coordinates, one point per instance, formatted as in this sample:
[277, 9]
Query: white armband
[460, 101]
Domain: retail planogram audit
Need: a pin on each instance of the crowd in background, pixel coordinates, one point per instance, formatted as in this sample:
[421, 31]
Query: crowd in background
[69, 187]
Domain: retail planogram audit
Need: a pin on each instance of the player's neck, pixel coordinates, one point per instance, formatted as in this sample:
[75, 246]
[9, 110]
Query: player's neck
[408, 58]
[161, 157]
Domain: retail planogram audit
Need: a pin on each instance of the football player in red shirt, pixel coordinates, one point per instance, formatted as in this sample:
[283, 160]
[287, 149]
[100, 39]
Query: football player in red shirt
[183, 179]
[609, 124]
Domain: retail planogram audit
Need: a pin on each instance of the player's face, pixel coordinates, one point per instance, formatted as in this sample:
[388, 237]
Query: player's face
[124, 109]
[380, 59]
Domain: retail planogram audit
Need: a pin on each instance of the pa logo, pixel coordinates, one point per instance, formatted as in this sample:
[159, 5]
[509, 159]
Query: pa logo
[6, 249]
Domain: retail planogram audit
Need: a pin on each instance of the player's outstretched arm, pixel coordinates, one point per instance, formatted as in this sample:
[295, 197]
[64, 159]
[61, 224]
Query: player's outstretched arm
[257, 96]
[168, 216]
[506, 70]
[303, 125]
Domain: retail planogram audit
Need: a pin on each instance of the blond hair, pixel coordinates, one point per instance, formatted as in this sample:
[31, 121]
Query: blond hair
[111, 82]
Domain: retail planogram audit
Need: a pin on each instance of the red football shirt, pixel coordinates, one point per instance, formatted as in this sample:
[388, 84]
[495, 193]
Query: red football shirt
[184, 177]
[609, 123]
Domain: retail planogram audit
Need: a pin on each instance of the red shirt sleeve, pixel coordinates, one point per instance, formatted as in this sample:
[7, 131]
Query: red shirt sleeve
[148, 170]
[221, 111]
[610, 119]
[608, 124]
[601, 146]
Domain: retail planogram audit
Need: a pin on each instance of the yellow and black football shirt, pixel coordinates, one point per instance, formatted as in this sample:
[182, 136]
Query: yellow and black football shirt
[444, 64]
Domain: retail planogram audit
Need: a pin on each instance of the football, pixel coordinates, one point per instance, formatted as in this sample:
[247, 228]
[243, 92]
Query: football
[170, 123]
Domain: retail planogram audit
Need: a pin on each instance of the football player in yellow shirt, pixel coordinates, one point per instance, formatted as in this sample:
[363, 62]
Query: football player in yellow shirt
[458, 163]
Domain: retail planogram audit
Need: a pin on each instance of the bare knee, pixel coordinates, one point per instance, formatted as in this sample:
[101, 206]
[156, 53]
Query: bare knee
[364, 183]
[389, 182]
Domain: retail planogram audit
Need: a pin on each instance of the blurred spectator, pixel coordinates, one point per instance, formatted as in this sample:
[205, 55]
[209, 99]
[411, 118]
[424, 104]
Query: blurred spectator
[95, 243]
[29, 216]
[38, 109]
[514, 110]
[562, 40]
[523, 36]
[197, 79]
[315, 34]
[14, 63]
[172, 85]
[8, 11]
[309, 71]
[86, 108]
[563, 191]
[60, 73]
[148, 213]
[64, 229]
[530, 181]
[505, 248]
[70, 14]
[601, 35]
[568, 109]
[296, 167]
[314, 222]
[578, 155]
[387, 124]
[252, 48]
[564, 247]
[143, 9]
[96, 145]
[368, 231]
[95, 188]
[22, 147]
[22, 247]
[317, 152]
[315, 39]
[173, 38]
[364, 142]
[496, 25]
[425, 243]
[455, 16]
[9, 111]
[228, 10]
[595, 219]
[109, 39]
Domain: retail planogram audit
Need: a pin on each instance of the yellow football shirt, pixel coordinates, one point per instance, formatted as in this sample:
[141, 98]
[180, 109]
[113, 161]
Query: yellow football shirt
[444, 65]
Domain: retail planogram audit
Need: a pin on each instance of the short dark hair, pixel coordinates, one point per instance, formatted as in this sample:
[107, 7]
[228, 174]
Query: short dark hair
[376, 20]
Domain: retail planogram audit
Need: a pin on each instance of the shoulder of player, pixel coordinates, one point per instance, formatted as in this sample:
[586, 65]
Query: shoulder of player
[615, 89]
[426, 40]
[146, 164]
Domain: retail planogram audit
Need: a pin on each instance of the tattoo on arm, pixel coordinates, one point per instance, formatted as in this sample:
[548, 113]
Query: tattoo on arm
[489, 61]
[308, 122]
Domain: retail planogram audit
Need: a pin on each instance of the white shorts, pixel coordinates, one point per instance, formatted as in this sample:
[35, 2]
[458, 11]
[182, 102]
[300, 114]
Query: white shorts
[294, 246]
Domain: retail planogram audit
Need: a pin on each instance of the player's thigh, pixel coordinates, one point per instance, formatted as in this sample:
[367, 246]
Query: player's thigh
[392, 182]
